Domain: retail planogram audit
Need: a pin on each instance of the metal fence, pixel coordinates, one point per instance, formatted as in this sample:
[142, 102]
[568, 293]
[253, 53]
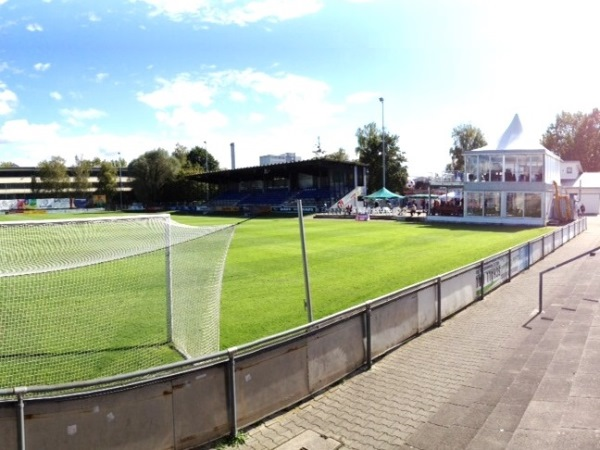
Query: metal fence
[191, 403]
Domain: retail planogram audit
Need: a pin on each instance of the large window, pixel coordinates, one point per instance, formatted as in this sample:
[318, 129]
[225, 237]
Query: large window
[491, 204]
[533, 205]
[510, 168]
[537, 168]
[484, 168]
[515, 202]
[471, 168]
[496, 168]
[474, 203]
[522, 168]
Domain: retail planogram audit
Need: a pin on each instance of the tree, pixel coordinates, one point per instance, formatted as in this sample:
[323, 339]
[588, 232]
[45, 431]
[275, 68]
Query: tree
[54, 177]
[576, 136]
[7, 165]
[340, 155]
[466, 137]
[81, 177]
[107, 180]
[201, 158]
[151, 172]
[181, 154]
[369, 152]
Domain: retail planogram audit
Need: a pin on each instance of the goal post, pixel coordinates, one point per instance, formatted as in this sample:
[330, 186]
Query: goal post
[84, 298]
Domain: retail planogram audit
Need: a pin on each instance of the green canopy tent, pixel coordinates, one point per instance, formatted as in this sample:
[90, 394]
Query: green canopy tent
[383, 194]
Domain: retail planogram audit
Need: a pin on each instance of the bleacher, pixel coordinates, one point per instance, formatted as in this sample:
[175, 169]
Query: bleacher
[315, 197]
[271, 197]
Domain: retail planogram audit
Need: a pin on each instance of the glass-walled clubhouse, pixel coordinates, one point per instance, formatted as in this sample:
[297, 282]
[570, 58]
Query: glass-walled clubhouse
[510, 186]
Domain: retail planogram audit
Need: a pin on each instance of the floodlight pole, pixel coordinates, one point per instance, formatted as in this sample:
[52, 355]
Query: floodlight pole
[382, 142]
[120, 184]
[206, 165]
[308, 303]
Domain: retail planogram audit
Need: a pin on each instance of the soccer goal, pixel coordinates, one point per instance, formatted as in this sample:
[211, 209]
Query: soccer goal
[85, 298]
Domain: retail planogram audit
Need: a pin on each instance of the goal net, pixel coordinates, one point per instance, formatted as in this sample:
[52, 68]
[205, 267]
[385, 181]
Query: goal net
[88, 298]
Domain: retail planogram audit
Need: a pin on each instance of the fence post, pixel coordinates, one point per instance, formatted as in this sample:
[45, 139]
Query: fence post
[439, 301]
[509, 265]
[481, 268]
[368, 332]
[231, 392]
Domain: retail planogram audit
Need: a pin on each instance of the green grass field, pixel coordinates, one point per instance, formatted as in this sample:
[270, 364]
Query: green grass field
[263, 287]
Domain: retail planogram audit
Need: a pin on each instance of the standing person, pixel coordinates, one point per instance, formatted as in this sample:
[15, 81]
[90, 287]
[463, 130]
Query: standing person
[582, 209]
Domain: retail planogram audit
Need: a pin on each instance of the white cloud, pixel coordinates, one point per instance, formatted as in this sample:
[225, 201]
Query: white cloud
[56, 95]
[190, 120]
[216, 11]
[33, 27]
[256, 117]
[101, 77]
[41, 67]
[24, 133]
[302, 99]
[76, 117]
[8, 100]
[93, 17]
[238, 96]
[361, 98]
[182, 91]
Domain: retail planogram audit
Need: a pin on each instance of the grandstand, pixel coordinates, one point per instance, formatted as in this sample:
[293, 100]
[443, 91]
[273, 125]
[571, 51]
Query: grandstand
[277, 187]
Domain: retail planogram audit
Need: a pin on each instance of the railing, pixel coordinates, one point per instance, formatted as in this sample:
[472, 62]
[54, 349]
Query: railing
[191, 403]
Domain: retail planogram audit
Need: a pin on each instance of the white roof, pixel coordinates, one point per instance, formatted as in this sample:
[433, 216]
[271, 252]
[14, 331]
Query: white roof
[587, 180]
[514, 139]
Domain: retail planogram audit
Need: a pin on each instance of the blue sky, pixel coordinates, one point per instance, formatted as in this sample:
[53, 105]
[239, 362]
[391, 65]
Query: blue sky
[95, 78]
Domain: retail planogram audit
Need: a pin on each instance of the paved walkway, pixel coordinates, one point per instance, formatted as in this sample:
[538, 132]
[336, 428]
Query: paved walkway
[494, 376]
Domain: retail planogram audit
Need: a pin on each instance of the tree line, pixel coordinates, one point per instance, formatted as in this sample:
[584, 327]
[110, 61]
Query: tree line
[158, 176]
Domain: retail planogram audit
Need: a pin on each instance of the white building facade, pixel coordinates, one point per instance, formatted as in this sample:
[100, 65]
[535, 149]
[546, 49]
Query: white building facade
[509, 183]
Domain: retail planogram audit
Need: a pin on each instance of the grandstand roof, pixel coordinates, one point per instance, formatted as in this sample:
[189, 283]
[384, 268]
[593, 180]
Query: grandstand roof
[311, 167]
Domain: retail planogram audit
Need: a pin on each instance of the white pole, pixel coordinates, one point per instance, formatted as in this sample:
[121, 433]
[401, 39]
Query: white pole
[120, 184]
[382, 141]
[308, 303]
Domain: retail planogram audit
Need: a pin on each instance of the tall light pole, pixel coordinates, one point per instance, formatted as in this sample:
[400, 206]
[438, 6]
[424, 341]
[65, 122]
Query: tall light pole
[382, 142]
[120, 184]
[206, 165]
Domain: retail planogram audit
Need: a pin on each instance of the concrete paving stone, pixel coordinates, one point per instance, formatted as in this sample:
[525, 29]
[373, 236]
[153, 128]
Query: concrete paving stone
[581, 413]
[589, 363]
[554, 388]
[480, 380]
[435, 437]
[567, 355]
[449, 415]
[542, 415]
[505, 417]
[519, 393]
[476, 416]
[592, 346]
[594, 332]
[586, 385]
[564, 369]
[490, 439]
[550, 343]
[540, 358]
[492, 394]
[532, 440]
[466, 395]
[578, 439]
[530, 374]
[515, 363]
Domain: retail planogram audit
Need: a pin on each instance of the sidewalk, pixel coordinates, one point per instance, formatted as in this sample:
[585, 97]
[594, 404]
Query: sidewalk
[494, 376]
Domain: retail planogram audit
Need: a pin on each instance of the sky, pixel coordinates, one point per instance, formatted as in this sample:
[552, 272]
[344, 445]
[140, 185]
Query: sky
[110, 78]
